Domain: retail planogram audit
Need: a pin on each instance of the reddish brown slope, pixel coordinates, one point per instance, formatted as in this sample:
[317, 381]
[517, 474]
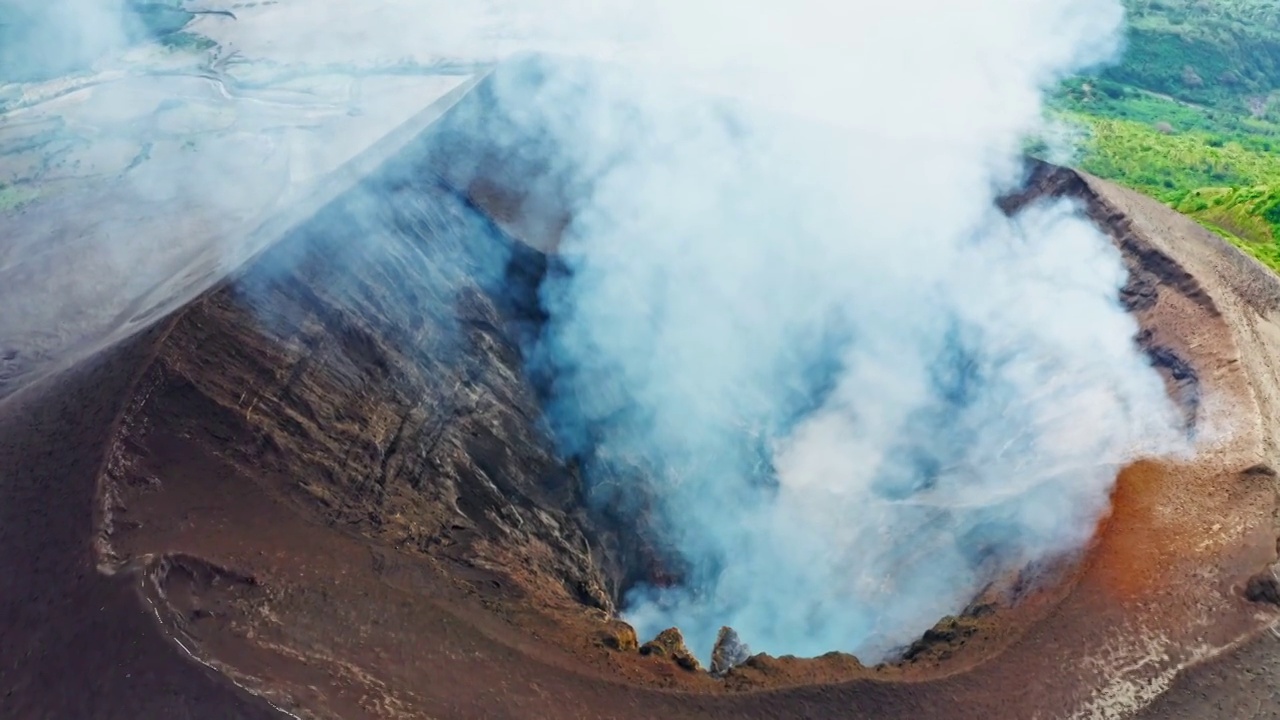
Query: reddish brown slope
[75, 643]
[329, 482]
[258, 443]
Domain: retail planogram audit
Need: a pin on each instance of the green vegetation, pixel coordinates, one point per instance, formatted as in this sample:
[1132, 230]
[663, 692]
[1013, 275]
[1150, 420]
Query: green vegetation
[1210, 52]
[188, 41]
[1170, 165]
[146, 20]
[1191, 116]
[40, 40]
[15, 197]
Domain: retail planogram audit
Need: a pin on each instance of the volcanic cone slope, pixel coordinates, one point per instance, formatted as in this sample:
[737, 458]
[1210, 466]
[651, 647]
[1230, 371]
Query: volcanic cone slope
[329, 482]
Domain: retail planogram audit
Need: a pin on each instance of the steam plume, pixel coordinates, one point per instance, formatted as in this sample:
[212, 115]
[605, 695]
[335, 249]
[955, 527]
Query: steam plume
[793, 323]
[791, 320]
[41, 39]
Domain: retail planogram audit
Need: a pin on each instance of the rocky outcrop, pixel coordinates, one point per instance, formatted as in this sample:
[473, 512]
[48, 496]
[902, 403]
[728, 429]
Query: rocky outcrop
[942, 640]
[1150, 270]
[729, 651]
[366, 370]
[1263, 588]
[670, 644]
[621, 637]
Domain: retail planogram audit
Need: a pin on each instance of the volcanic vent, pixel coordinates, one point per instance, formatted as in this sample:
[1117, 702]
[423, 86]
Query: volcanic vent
[340, 475]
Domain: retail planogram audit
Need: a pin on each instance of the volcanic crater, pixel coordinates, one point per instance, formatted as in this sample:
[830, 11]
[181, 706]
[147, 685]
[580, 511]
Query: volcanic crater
[329, 480]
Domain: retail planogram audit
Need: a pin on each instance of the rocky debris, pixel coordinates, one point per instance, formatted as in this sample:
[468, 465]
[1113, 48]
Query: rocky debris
[1150, 271]
[1149, 267]
[1180, 377]
[1140, 292]
[756, 670]
[670, 644]
[1261, 470]
[763, 670]
[941, 641]
[186, 591]
[364, 370]
[1166, 272]
[621, 636]
[728, 652]
[591, 593]
[842, 660]
[1263, 588]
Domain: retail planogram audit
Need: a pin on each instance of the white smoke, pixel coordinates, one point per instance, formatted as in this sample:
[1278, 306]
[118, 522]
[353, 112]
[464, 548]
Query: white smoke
[855, 388]
[42, 39]
[858, 391]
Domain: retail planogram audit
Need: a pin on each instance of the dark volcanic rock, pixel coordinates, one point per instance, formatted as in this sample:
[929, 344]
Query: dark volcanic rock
[728, 652]
[1263, 588]
[1149, 271]
[1149, 268]
[1180, 377]
[943, 639]
[365, 370]
[1261, 470]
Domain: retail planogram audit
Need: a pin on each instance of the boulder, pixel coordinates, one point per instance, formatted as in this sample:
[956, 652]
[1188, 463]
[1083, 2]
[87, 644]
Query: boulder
[1263, 588]
[621, 636]
[670, 644]
[729, 651]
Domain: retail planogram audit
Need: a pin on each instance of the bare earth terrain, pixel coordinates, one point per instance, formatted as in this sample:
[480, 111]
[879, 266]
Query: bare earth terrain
[283, 458]
[320, 488]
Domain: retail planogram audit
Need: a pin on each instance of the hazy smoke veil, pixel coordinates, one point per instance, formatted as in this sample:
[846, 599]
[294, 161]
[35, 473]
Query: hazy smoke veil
[792, 322]
[855, 390]
[41, 39]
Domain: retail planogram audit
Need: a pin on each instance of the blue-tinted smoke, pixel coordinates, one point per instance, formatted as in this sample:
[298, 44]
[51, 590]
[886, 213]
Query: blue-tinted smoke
[853, 391]
[791, 322]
